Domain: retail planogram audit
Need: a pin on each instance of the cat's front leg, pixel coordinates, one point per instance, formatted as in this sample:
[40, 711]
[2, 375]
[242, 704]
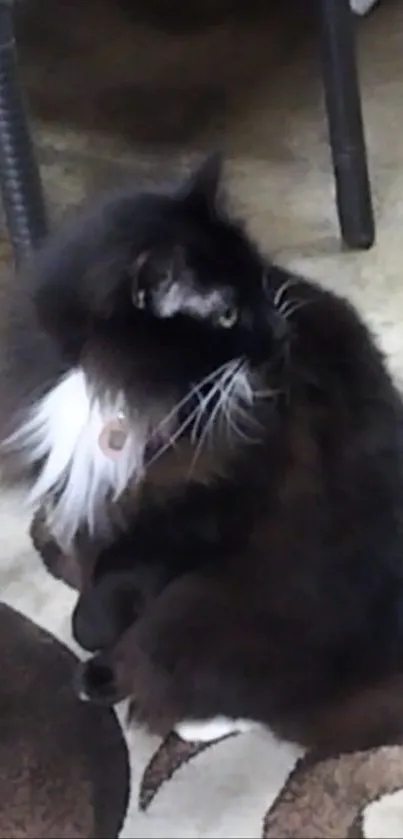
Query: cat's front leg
[200, 662]
[184, 663]
[105, 610]
[114, 595]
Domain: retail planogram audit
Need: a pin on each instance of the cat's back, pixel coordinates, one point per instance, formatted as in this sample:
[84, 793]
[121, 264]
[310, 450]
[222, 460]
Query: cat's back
[335, 499]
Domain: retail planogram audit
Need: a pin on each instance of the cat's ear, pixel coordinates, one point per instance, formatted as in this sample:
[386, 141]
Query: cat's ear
[200, 190]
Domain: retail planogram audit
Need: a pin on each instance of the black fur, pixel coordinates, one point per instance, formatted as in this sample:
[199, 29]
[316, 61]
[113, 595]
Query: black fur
[271, 586]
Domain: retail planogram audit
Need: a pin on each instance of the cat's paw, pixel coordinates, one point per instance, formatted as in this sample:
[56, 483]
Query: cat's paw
[205, 731]
[95, 681]
[103, 613]
[88, 630]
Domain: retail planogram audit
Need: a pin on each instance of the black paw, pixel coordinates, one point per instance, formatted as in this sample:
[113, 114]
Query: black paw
[104, 612]
[92, 627]
[95, 681]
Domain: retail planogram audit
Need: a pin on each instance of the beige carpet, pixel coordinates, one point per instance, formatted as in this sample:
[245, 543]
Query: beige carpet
[246, 786]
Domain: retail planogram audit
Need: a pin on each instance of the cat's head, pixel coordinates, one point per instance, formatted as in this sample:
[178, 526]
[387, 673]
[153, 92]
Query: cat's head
[165, 333]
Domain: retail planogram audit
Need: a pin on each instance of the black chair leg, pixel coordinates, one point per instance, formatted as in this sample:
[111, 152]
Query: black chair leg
[343, 102]
[20, 182]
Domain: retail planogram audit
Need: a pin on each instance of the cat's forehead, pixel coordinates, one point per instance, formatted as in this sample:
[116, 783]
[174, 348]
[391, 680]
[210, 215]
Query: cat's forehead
[190, 298]
[175, 280]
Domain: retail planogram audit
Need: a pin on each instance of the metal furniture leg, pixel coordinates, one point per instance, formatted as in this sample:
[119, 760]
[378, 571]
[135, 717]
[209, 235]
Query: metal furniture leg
[343, 103]
[20, 182]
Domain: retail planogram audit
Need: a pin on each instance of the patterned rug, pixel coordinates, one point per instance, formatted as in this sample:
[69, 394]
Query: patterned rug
[75, 771]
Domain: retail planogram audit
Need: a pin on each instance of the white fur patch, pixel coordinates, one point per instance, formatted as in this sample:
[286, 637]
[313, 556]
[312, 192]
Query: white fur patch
[178, 298]
[362, 7]
[64, 428]
[208, 730]
[78, 477]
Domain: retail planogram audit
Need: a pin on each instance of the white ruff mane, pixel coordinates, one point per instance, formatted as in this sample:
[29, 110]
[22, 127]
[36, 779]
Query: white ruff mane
[79, 475]
[64, 429]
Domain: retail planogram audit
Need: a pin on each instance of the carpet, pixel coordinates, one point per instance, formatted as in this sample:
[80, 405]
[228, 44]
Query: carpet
[76, 771]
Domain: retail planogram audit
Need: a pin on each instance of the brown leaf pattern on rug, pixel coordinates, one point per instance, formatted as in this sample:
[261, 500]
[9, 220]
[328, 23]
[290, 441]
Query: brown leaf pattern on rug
[326, 800]
[169, 757]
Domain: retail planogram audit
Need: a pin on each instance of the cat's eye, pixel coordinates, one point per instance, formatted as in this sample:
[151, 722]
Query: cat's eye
[228, 318]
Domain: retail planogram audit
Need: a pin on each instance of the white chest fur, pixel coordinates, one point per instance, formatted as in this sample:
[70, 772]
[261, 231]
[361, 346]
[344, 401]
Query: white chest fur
[63, 430]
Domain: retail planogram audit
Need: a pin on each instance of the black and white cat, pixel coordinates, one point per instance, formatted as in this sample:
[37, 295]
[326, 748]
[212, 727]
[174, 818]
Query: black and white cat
[219, 442]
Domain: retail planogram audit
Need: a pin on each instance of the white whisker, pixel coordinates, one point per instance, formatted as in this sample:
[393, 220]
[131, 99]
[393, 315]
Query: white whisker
[231, 403]
[225, 394]
[235, 387]
[279, 295]
[210, 422]
[181, 404]
[230, 416]
[247, 416]
[206, 400]
[292, 307]
[170, 443]
[192, 416]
